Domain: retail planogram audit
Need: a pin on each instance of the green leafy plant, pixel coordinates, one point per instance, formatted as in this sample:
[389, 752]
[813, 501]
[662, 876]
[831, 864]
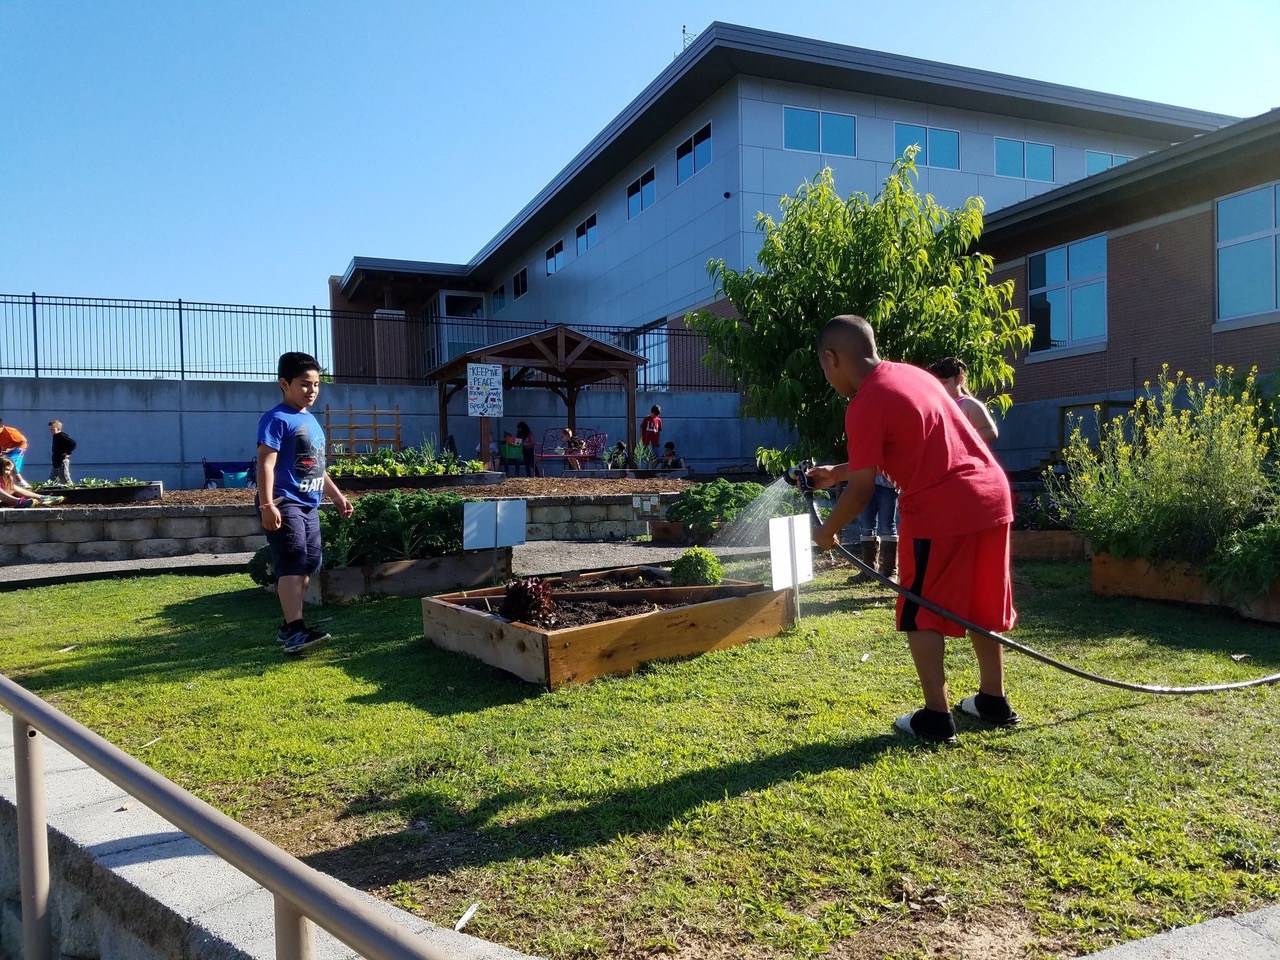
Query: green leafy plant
[1246, 562]
[642, 456]
[697, 567]
[717, 501]
[426, 460]
[89, 483]
[1039, 512]
[260, 568]
[899, 260]
[393, 526]
[1187, 468]
[530, 601]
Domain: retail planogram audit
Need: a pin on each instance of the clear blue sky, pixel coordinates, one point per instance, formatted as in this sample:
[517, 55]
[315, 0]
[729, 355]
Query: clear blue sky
[242, 151]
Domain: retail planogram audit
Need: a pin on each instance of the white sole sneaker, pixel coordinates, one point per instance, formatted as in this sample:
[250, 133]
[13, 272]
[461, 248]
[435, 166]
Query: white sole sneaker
[969, 705]
[903, 725]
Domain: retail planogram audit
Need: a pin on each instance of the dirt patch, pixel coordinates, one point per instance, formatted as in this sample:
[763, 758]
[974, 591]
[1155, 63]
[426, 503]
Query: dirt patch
[514, 487]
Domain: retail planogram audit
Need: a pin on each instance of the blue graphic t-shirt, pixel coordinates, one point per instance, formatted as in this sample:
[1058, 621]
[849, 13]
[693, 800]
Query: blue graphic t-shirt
[296, 436]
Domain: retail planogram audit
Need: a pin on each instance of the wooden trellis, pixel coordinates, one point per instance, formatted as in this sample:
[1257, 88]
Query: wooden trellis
[354, 433]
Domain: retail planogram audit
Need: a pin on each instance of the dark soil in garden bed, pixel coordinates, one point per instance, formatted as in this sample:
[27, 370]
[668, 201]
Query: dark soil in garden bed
[513, 487]
[579, 613]
[630, 580]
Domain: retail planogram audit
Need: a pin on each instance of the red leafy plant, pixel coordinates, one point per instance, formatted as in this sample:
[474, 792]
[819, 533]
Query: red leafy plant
[529, 600]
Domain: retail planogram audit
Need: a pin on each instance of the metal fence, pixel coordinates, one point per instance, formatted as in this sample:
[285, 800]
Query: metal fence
[303, 896]
[44, 336]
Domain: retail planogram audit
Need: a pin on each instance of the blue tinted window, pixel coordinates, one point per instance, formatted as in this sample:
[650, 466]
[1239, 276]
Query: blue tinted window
[702, 148]
[648, 190]
[1087, 258]
[1247, 278]
[839, 134]
[1096, 162]
[1009, 158]
[904, 135]
[1088, 312]
[1040, 162]
[944, 149]
[684, 162]
[800, 129]
[587, 234]
[1246, 214]
[1068, 302]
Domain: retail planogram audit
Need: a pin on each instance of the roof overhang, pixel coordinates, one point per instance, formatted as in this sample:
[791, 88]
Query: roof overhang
[725, 51]
[1209, 166]
[560, 352]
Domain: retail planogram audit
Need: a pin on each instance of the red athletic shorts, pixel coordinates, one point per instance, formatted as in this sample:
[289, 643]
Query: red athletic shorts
[968, 575]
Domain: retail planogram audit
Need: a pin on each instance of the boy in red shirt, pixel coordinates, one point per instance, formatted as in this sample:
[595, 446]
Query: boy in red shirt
[955, 511]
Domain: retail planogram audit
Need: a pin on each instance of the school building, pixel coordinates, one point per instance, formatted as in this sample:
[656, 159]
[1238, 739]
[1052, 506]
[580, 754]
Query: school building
[1134, 230]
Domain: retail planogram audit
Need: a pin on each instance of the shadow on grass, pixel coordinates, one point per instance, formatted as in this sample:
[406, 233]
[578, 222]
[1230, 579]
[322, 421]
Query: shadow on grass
[423, 851]
[232, 635]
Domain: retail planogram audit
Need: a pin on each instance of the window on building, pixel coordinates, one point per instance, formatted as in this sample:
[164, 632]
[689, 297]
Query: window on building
[520, 283]
[938, 148]
[693, 154]
[650, 342]
[817, 131]
[1095, 162]
[641, 194]
[1067, 294]
[587, 234]
[500, 297]
[1248, 252]
[1028, 161]
[555, 258]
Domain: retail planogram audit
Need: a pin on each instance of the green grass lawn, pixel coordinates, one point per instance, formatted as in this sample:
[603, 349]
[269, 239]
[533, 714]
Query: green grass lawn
[750, 803]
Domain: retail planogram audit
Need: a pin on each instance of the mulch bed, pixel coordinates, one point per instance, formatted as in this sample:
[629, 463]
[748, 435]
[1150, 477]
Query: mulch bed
[512, 487]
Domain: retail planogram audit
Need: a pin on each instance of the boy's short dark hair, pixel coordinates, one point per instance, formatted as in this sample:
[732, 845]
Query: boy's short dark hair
[669, 445]
[656, 410]
[294, 364]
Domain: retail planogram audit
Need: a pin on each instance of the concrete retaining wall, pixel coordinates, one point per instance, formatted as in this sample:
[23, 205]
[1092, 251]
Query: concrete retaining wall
[161, 429]
[55, 535]
[128, 885]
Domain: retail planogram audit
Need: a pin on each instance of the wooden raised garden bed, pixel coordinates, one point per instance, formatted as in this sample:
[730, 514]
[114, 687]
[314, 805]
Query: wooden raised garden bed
[409, 578]
[709, 618]
[442, 481]
[1179, 582]
[133, 493]
[1048, 545]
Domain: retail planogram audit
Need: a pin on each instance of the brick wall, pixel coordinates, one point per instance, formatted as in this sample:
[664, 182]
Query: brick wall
[1160, 309]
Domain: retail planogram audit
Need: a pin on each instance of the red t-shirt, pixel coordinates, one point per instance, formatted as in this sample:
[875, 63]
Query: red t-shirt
[650, 430]
[903, 421]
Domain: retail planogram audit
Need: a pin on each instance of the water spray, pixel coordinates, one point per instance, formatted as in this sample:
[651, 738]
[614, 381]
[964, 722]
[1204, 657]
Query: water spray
[798, 477]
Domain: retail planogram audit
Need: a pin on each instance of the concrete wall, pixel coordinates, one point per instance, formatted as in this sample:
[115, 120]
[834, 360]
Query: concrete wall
[127, 885]
[161, 429]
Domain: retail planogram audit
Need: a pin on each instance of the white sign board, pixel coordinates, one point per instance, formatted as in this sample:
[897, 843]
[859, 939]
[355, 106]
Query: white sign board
[484, 389]
[492, 523]
[790, 551]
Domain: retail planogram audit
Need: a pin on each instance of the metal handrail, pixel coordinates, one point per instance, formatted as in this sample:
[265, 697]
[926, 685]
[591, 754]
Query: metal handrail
[302, 894]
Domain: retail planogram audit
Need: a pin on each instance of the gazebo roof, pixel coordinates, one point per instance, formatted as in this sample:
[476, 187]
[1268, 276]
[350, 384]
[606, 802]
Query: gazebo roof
[561, 353]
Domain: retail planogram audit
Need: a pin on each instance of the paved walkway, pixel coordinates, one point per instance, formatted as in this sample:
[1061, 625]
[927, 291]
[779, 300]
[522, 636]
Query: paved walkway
[1253, 936]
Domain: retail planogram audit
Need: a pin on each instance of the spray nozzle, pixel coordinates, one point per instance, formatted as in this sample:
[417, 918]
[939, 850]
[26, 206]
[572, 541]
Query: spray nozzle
[797, 475]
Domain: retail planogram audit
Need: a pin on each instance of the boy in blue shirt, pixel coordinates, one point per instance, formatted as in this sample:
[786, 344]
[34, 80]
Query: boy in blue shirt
[291, 483]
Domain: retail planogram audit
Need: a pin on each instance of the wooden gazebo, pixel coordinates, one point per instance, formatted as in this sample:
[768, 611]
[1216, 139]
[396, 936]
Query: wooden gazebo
[559, 359]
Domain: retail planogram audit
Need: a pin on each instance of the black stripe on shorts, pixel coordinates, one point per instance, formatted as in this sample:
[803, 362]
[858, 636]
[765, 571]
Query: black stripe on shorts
[910, 608]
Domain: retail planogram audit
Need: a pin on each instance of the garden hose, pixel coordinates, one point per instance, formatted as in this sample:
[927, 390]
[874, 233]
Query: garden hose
[796, 476]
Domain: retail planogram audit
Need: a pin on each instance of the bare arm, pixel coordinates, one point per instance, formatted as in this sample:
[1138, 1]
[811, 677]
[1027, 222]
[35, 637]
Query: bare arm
[853, 501]
[271, 519]
[977, 413]
[344, 505]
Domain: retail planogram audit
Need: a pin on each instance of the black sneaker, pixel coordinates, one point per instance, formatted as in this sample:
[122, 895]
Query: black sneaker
[935, 726]
[304, 638]
[989, 709]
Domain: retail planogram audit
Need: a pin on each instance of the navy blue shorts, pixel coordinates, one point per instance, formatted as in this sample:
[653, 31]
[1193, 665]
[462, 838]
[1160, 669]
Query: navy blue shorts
[295, 547]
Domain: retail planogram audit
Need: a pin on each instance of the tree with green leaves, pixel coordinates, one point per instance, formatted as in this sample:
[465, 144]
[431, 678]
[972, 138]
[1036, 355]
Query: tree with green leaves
[900, 260]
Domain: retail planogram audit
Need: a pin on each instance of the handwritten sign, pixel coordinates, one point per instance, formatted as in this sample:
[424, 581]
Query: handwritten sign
[484, 389]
